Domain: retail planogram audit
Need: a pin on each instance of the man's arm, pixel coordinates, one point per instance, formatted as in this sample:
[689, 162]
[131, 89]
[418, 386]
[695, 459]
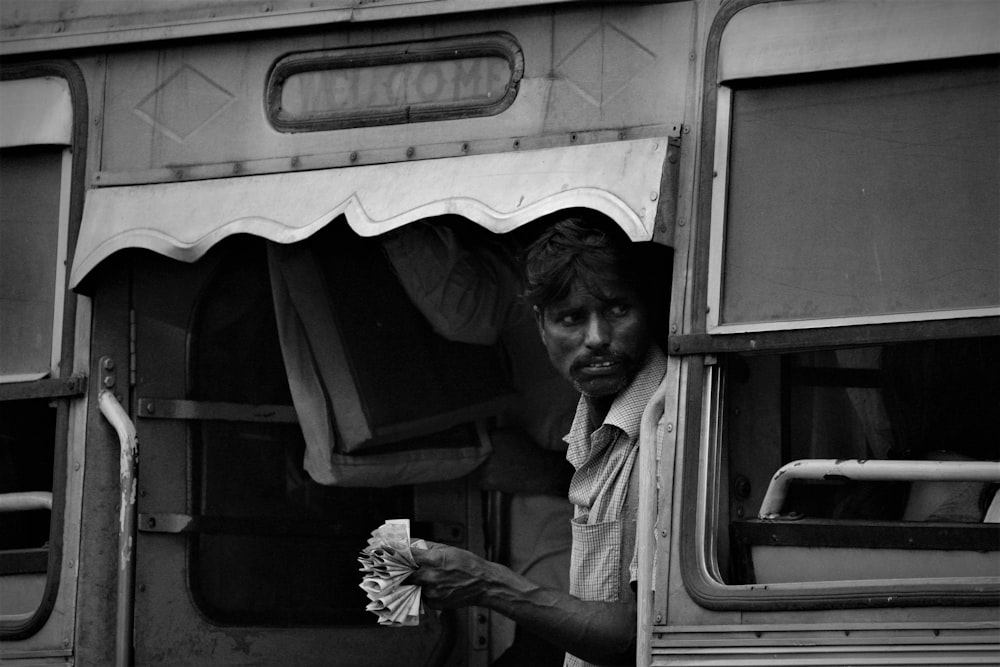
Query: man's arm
[601, 632]
[464, 290]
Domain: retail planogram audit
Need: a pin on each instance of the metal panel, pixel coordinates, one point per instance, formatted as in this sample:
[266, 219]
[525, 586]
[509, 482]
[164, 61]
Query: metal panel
[173, 110]
[36, 111]
[791, 37]
[32, 26]
[501, 192]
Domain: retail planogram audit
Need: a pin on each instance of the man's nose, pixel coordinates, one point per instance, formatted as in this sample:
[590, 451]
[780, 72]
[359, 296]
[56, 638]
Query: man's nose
[598, 332]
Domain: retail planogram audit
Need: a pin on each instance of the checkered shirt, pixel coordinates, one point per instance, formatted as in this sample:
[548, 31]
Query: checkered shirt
[603, 460]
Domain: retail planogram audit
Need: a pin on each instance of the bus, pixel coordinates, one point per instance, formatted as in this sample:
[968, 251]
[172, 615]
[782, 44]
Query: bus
[214, 385]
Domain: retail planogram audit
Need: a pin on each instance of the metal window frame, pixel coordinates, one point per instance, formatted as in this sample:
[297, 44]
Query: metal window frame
[702, 448]
[67, 387]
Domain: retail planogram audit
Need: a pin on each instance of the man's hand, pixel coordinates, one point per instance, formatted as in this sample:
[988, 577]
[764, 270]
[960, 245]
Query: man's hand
[602, 632]
[450, 577]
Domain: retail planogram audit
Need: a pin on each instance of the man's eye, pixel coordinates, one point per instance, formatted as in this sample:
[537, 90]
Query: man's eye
[569, 319]
[619, 310]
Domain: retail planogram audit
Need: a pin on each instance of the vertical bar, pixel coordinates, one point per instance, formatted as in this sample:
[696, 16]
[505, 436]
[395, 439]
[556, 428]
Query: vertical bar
[128, 452]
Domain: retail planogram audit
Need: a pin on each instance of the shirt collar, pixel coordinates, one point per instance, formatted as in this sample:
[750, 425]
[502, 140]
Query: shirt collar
[628, 406]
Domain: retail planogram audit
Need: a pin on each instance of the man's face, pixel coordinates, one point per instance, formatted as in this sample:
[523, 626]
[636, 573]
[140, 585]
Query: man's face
[598, 344]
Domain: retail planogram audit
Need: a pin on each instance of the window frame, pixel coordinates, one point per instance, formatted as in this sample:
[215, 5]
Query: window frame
[729, 70]
[62, 385]
[702, 463]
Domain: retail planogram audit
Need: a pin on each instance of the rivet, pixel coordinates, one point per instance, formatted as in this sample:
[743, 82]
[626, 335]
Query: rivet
[76, 466]
[517, 144]
[295, 162]
[653, 195]
[465, 148]
[108, 364]
[681, 222]
[354, 156]
[670, 428]
[237, 168]
[150, 407]
[659, 618]
[572, 137]
[109, 381]
[410, 151]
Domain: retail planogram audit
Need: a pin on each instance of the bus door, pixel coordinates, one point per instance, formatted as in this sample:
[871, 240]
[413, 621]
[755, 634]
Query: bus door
[247, 520]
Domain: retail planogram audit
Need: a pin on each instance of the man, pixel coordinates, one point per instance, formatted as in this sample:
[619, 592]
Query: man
[585, 284]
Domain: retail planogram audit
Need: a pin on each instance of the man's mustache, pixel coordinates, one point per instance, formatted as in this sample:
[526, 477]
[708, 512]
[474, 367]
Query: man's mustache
[595, 359]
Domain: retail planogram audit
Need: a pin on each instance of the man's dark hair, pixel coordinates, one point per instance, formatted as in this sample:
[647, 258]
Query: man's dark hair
[584, 249]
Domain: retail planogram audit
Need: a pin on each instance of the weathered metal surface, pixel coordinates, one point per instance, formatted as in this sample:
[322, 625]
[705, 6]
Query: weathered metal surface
[128, 492]
[500, 192]
[167, 408]
[871, 470]
[48, 388]
[28, 26]
[174, 108]
[920, 643]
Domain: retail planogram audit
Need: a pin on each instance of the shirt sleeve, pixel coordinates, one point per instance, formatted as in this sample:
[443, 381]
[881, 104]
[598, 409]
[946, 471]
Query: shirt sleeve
[464, 290]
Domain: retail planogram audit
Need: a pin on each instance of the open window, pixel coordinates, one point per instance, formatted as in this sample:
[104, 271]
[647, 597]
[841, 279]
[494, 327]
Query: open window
[851, 280]
[36, 334]
[317, 397]
[884, 462]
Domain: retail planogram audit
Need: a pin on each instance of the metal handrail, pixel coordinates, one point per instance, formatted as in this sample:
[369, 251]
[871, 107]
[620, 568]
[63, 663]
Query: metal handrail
[866, 470]
[128, 482]
[25, 501]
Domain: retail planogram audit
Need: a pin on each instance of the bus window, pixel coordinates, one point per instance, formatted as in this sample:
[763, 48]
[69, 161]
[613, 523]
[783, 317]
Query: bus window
[35, 376]
[903, 405]
[857, 240]
[837, 191]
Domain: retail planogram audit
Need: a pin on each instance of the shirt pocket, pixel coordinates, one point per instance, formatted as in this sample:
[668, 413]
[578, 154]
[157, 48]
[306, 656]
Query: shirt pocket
[594, 571]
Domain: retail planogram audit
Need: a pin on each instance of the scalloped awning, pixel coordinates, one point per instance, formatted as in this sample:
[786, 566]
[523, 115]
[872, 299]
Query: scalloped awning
[499, 191]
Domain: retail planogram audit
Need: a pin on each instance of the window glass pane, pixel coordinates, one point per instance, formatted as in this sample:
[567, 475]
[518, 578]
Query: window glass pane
[864, 194]
[29, 231]
[932, 401]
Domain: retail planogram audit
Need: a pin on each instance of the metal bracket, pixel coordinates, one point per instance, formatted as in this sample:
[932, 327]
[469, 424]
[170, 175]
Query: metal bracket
[109, 376]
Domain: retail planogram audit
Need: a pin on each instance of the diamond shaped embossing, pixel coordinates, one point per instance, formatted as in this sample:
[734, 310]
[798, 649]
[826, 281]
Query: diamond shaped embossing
[183, 103]
[603, 63]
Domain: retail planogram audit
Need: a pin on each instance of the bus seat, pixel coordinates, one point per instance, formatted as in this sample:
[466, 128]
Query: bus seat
[779, 547]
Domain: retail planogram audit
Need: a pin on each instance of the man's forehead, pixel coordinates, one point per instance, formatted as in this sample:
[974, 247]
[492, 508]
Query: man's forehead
[599, 290]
